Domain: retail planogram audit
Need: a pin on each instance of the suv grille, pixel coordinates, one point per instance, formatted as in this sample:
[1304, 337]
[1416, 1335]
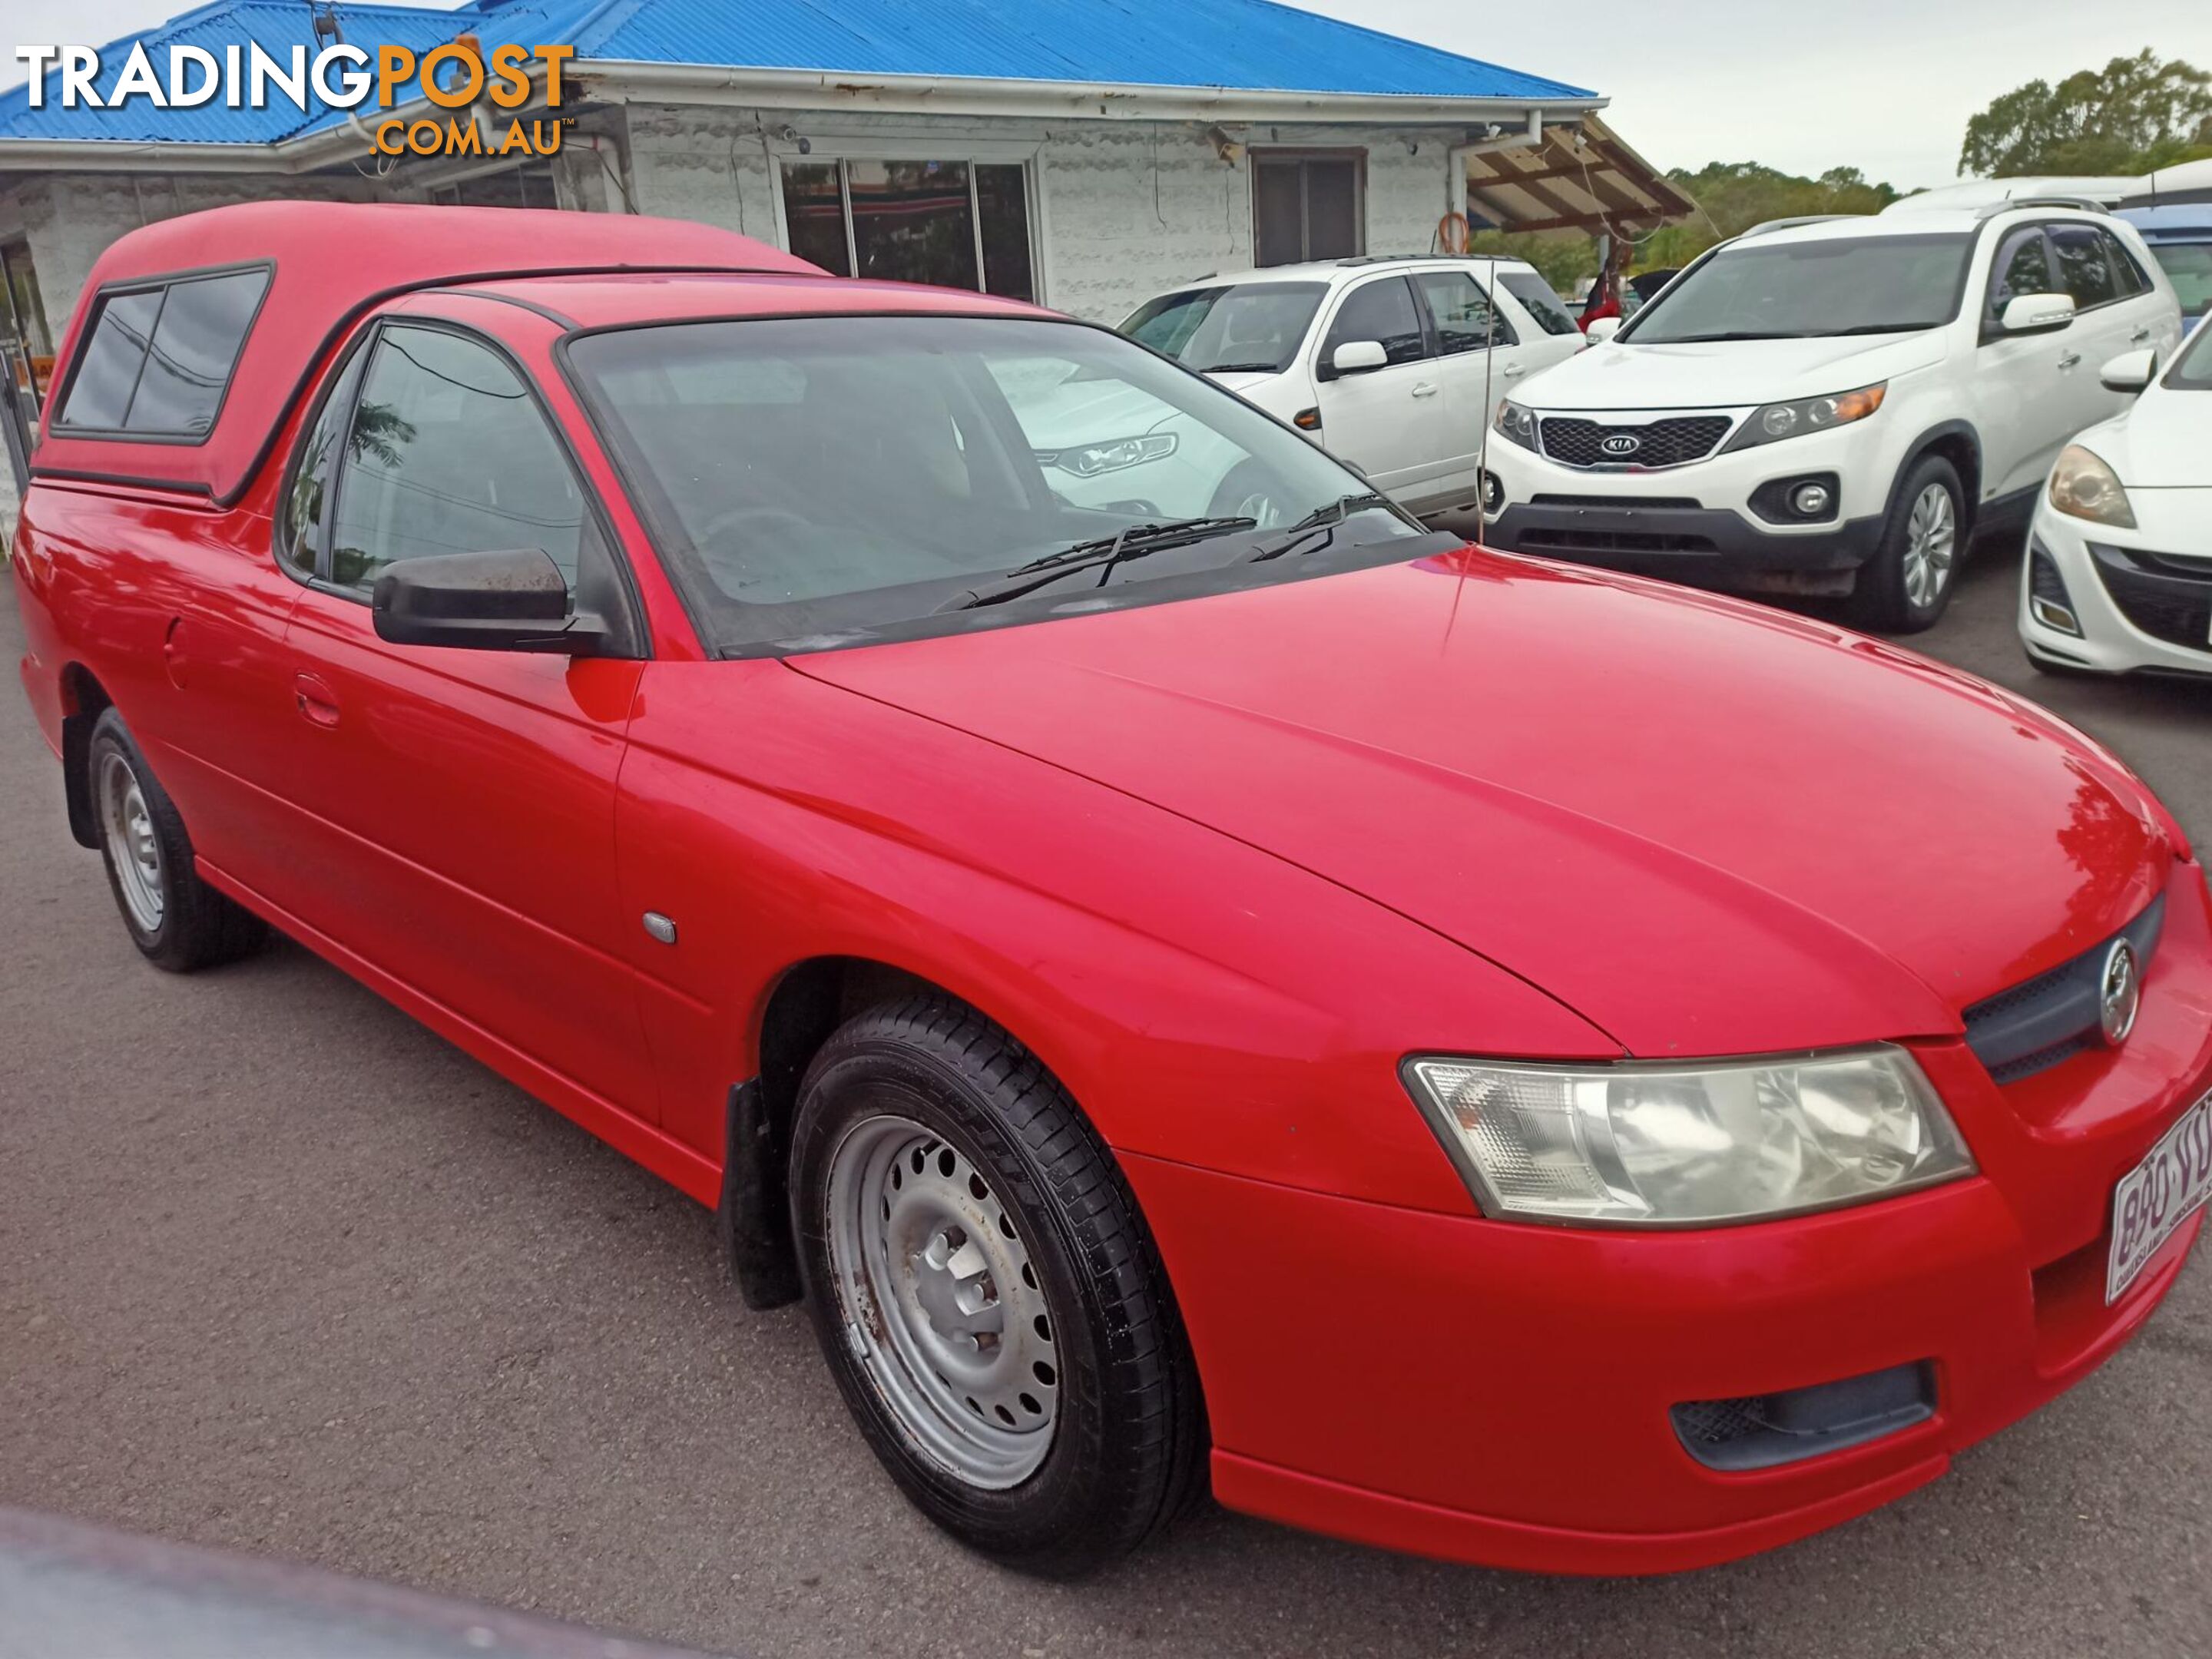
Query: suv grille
[2054, 1016]
[1669, 442]
[2168, 599]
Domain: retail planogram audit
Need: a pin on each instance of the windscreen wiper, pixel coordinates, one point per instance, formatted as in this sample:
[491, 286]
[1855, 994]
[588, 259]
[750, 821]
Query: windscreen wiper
[1101, 554]
[1238, 368]
[1323, 518]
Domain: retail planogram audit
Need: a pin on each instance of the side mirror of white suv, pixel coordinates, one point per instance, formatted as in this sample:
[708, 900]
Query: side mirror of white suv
[1603, 329]
[2037, 313]
[2132, 371]
[1358, 357]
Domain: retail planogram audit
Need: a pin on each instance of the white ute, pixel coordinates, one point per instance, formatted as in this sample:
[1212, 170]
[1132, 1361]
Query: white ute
[1834, 406]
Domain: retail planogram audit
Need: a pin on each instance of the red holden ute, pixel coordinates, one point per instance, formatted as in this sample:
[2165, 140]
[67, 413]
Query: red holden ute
[1196, 978]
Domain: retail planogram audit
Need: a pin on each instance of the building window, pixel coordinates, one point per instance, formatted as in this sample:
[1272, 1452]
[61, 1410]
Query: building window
[1308, 205]
[23, 323]
[530, 185]
[956, 224]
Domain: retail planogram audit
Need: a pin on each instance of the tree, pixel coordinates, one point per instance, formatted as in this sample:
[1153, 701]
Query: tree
[2134, 114]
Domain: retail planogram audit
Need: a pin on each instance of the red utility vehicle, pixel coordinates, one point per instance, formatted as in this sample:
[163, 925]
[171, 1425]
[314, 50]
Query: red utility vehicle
[1514, 1062]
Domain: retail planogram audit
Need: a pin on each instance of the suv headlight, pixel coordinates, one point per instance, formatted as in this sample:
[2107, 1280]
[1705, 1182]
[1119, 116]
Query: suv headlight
[1775, 422]
[1660, 1146]
[1516, 423]
[2084, 486]
[1089, 460]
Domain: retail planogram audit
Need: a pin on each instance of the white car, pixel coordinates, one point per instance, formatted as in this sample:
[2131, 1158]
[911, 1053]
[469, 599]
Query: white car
[1391, 364]
[2118, 575]
[1833, 406]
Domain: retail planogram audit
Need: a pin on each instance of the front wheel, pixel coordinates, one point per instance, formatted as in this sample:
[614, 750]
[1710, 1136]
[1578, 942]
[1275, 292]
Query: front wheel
[985, 1292]
[1905, 586]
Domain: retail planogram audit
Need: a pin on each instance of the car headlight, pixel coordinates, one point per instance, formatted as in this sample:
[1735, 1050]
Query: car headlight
[1089, 460]
[1516, 423]
[2083, 486]
[1775, 422]
[1660, 1146]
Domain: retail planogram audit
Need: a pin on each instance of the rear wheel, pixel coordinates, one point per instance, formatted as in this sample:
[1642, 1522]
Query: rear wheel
[1905, 586]
[985, 1292]
[176, 919]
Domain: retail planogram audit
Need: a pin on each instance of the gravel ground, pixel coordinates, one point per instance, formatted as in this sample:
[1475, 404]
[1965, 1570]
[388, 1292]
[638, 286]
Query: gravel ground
[282, 1272]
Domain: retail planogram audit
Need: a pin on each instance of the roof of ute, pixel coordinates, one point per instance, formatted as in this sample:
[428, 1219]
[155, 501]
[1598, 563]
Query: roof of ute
[329, 263]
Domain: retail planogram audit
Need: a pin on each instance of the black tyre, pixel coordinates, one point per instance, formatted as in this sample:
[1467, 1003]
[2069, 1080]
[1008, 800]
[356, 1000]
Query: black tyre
[176, 919]
[1905, 586]
[986, 1293]
[1251, 491]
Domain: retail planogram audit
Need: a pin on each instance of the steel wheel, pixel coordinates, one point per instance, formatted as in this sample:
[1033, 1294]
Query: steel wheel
[1931, 547]
[940, 1302]
[1260, 507]
[132, 846]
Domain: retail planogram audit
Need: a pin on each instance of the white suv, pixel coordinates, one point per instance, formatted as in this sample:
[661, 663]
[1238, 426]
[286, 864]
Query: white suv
[1833, 406]
[1391, 364]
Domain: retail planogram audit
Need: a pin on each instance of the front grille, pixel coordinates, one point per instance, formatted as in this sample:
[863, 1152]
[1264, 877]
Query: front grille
[2055, 1016]
[1670, 442]
[2168, 599]
[1630, 503]
[1763, 1431]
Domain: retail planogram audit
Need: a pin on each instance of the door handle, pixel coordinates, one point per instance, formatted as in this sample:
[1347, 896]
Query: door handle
[317, 704]
[1512, 369]
[2069, 360]
[1426, 389]
[2139, 336]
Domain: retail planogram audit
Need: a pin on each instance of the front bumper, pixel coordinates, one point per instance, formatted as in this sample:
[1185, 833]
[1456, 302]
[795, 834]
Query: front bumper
[1501, 1393]
[2112, 640]
[1676, 540]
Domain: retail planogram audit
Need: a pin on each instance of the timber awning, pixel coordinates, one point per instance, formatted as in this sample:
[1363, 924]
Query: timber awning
[1579, 177]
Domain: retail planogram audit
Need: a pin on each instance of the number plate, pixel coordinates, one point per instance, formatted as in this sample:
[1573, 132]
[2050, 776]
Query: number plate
[2155, 1197]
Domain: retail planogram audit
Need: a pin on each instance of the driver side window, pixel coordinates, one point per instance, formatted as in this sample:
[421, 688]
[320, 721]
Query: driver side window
[1380, 310]
[2022, 266]
[448, 453]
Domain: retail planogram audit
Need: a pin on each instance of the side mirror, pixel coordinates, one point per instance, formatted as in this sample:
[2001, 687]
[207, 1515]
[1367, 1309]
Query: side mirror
[512, 599]
[2037, 313]
[1356, 357]
[1603, 329]
[2132, 371]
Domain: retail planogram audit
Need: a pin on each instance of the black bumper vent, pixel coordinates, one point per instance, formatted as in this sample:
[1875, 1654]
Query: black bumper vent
[1760, 1430]
[2043, 1020]
[2168, 598]
[1669, 442]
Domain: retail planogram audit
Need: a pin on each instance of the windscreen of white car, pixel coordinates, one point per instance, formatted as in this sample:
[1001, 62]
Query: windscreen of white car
[1797, 291]
[819, 482]
[1238, 328]
[2192, 370]
[2188, 266]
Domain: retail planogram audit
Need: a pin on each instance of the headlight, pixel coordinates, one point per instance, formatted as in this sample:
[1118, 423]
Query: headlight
[1089, 460]
[1662, 1145]
[1516, 423]
[2083, 486]
[1778, 421]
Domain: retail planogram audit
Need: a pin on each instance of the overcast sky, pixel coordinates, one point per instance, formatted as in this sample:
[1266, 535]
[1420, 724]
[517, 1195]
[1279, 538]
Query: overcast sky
[1885, 86]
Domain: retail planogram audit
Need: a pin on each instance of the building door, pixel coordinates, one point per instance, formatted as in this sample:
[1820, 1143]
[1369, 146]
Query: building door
[23, 324]
[1308, 205]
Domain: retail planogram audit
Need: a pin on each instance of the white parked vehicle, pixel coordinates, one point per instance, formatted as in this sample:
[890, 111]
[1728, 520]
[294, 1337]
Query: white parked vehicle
[1833, 405]
[1391, 364]
[2118, 576]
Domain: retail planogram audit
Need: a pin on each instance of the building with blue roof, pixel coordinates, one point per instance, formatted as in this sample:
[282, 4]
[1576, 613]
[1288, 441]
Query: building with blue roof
[1083, 153]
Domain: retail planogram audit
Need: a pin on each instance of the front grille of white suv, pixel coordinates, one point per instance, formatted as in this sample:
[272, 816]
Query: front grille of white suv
[1667, 442]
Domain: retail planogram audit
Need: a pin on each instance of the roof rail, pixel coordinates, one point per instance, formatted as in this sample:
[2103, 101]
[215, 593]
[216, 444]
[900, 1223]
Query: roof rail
[2079, 203]
[1802, 219]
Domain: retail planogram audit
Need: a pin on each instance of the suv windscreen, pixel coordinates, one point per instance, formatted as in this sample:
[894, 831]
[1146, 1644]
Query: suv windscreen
[2188, 266]
[1795, 291]
[1244, 326]
[822, 480]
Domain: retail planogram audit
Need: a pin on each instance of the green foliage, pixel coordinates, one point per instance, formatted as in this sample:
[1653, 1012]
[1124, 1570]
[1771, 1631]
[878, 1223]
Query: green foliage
[2134, 114]
[1565, 257]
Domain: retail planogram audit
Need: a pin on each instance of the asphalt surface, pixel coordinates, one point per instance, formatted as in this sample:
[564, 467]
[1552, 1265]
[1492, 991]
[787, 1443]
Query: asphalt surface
[282, 1272]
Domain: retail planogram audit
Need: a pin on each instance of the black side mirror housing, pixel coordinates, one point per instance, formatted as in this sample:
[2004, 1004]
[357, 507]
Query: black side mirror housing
[508, 600]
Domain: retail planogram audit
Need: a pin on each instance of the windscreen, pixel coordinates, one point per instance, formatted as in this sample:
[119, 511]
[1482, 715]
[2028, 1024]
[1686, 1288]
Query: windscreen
[2192, 370]
[815, 482]
[2188, 266]
[1244, 327]
[1761, 290]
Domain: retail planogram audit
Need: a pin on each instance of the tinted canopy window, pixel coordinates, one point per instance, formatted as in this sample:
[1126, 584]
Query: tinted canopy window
[159, 360]
[1245, 326]
[1762, 290]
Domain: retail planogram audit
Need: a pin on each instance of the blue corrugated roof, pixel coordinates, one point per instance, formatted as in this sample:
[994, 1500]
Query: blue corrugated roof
[1242, 45]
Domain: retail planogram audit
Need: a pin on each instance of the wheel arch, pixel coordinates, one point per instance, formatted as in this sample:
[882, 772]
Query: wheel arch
[83, 700]
[1958, 443]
